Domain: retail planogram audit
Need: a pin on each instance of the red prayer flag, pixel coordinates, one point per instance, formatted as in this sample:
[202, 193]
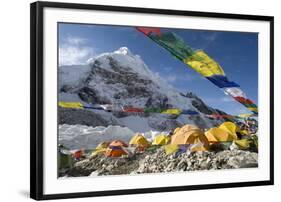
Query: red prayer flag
[132, 109]
[243, 100]
[148, 30]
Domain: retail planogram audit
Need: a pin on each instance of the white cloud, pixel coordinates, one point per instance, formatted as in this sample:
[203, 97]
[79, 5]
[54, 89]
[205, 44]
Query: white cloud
[73, 50]
[75, 40]
[70, 55]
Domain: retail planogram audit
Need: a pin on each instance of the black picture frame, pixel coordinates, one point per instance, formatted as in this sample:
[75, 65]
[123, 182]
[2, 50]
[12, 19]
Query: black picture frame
[36, 99]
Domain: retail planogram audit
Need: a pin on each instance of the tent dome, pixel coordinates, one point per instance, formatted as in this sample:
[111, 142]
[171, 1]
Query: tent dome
[231, 128]
[161, 140]
[219, 135]
[116, 149]
[139, 141]
[118, 143]
[100, 149]
[189, 134]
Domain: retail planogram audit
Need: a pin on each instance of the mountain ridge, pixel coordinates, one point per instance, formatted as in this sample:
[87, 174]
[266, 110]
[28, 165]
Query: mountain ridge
[121, 78]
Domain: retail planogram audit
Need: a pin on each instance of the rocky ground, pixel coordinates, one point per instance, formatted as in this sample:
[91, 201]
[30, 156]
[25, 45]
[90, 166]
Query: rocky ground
[157, 161]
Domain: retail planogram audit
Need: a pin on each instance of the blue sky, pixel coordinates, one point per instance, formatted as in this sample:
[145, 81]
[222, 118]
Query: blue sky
[236, 52]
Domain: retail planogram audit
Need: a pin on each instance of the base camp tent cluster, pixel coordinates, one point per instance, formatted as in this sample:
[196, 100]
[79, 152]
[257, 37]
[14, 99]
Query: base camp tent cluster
[182, 139]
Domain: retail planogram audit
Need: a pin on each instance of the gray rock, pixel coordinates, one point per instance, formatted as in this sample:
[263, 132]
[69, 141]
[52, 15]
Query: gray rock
[84, 117]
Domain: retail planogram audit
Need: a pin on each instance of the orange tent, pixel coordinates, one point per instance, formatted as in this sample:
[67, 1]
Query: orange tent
[117, 143]
[77, 154]
[190, 134]
[115, 149]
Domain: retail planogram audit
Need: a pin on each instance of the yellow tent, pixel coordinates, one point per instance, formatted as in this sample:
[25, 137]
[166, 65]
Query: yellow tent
[203, 64]
[171, 148]
[244, 132]
[139, 141]
[219, 135]
[174, 111]
[199, 147]
[231, 128]
[178, 128]
[76, 105]
[186, 128]
[101, 148]
[161, 140]
[243, 144]
[190, 134]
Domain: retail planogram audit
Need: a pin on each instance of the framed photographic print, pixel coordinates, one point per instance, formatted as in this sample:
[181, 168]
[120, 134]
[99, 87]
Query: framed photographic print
[134, 100]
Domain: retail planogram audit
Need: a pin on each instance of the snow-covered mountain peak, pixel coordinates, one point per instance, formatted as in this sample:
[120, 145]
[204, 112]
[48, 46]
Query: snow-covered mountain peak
[124, 59]
[124, 51]
[121, 78]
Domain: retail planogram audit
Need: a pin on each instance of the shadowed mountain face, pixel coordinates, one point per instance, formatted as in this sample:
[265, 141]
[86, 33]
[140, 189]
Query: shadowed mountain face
[123, 79]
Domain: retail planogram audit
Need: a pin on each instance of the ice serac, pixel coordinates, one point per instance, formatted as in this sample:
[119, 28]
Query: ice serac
[87, 137]
[122, 78]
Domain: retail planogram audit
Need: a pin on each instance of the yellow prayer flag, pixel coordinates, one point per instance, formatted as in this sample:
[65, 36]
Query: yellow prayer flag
[253, 109]
[76, 105]
[175, 111]
[245, 115]
[203, 64]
